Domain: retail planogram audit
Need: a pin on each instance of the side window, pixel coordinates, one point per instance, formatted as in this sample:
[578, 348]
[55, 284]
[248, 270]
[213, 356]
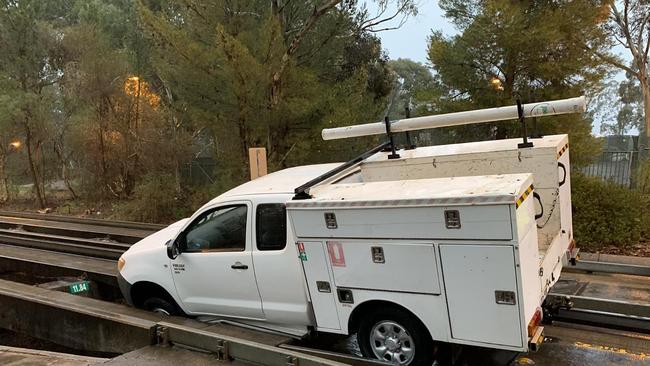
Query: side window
[271, 221]
[221, 229]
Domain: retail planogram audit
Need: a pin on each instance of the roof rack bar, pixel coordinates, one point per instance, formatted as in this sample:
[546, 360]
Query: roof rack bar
[301, 192]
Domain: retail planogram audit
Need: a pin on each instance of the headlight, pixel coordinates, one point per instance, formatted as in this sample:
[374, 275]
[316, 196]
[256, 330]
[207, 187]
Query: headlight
[120, 264]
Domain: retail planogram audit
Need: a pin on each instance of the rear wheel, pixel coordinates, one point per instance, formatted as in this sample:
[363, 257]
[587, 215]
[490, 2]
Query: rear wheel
[160, 306]
[395, 336]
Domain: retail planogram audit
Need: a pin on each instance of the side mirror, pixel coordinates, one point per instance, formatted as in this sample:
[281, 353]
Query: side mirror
[172, 249]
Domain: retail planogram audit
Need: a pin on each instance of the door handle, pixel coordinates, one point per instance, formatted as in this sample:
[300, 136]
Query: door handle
[239, 265]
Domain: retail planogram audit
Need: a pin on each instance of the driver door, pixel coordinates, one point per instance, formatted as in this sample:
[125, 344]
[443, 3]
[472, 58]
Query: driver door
[214, 273]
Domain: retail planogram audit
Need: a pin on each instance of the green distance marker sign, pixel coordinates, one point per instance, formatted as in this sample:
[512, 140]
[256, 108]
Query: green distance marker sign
[79, 287]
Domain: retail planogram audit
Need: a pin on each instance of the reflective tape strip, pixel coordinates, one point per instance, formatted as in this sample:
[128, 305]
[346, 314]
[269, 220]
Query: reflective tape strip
[562, 150]
[522, 198]
[479, 200]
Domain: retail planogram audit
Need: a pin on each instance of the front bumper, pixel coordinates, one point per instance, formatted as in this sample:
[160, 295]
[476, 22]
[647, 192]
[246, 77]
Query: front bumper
[125, 288]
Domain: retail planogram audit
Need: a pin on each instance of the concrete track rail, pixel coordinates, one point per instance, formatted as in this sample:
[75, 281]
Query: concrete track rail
[77, 227]
[96, 326]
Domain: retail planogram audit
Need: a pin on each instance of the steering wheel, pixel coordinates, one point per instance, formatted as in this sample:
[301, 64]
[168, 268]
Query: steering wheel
[198, 244]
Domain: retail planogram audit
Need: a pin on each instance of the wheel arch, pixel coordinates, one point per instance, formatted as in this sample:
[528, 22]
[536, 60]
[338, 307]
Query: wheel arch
[143, 290]
[354, 320]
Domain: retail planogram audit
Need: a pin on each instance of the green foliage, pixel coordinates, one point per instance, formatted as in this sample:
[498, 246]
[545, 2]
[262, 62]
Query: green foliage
[630, 115]
[154, 199]
[236, 73]
[643, 177]
[518, 49]
[607, 214]
[417, 85]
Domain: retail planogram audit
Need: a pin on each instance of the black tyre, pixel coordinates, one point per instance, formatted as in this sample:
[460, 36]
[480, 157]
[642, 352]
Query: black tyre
[161, 306]
[395, 336]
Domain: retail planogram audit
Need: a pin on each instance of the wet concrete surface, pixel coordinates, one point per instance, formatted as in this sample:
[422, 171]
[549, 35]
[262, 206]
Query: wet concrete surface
[559, 352]
[569, 345]
[165, 356]
[578, 345]
[634, 289]
[563, 345]
[11, 356]
[566, 344]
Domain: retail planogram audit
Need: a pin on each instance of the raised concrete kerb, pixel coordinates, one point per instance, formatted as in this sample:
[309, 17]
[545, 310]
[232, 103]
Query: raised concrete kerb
[39, 357]
[237, 348]
[74, 321]
[79, 304]
[93, 325]
[102, 267]
[613, 258]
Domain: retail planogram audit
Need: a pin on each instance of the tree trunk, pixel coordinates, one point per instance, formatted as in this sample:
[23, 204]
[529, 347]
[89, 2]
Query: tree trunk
[64, 171]
[645, 87]
[4, 182]
[38, 190]
[276, 77]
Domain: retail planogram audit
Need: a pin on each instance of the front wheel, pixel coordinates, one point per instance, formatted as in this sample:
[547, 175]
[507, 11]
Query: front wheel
[160, 306]
[395, 336]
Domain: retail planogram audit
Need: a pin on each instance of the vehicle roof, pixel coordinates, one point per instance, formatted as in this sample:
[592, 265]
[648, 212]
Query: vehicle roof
[280, 182]
[488, 189]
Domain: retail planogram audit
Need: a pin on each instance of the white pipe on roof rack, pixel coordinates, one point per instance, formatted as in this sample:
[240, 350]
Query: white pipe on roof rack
[554, 107]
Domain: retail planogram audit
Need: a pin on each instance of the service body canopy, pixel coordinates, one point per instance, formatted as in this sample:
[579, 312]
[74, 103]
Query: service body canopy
[550, 108]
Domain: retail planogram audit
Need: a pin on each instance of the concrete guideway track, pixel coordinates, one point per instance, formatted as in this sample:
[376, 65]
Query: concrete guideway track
[91, 325]
[89, 237]
[88, 247]
[12, 356]
[78, 227]
[85, 323]
[605, 293]
[120, 225]
[591, 291]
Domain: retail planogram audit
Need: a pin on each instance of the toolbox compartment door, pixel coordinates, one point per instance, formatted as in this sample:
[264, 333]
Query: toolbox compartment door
[314, 262]
[480, 222]
[386, 266]
[476, 279]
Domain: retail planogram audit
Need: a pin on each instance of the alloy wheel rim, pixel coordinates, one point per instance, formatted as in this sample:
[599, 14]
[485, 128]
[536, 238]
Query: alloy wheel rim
[160, 311]
[391, 342]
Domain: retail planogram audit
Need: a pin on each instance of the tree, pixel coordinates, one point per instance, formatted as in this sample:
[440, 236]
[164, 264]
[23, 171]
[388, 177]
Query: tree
[415, 86]
[266, 74]
[630, 111]
[528, 50]
[30, 65]
[629, 26]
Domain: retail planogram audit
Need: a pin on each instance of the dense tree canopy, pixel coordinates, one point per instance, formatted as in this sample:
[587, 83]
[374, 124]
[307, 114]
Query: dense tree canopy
[106, 94]
[628, 25]
[528, 50]
[236, 72]
[159, 101]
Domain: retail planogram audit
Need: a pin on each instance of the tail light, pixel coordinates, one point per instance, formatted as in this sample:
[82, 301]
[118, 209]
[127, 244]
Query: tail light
[572, 246]
[534, 322]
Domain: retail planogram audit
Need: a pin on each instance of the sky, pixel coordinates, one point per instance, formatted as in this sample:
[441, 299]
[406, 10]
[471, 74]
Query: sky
[410, 41]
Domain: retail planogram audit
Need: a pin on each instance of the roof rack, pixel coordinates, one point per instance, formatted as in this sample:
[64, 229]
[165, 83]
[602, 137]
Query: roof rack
[518, 111]
[302, 191]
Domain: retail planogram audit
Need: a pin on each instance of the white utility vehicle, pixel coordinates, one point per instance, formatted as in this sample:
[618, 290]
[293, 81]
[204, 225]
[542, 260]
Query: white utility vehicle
[408, 249]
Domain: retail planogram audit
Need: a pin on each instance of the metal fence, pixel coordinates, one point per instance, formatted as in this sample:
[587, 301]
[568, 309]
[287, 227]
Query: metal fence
[200, 171]
[615, 166]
